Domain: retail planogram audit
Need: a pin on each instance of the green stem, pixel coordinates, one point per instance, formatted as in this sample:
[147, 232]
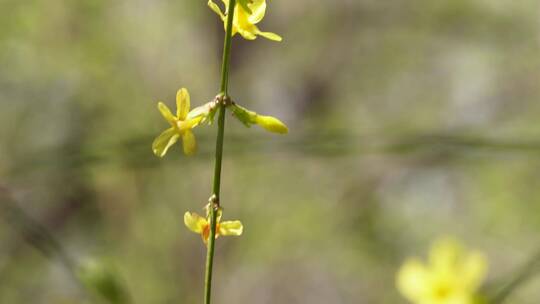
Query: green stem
[524, 274]
[215, 201]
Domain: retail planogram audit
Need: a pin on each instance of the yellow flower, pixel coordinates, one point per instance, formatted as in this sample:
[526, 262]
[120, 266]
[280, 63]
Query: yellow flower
[452, 276]
[181, 126]
[245, 18]
[201, 225]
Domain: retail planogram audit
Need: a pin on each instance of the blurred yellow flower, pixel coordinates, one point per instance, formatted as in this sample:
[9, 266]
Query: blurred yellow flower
[246, 15]
[201, 225]
[452, 276]
[181, 126]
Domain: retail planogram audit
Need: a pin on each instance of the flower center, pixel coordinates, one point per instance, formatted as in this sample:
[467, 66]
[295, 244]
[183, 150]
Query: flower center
[442, 292]
[206, 231]
[181, 125]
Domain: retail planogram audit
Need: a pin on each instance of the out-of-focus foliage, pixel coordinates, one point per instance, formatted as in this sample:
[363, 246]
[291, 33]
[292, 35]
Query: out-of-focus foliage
[100, 279]
[408, 119]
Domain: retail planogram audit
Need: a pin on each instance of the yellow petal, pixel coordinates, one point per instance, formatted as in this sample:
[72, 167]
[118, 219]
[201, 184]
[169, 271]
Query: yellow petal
[231, 228]
[412, 280]
[188, 124]
[271, 36]
[219, 214]
[244, 4]
[166, 113]
[444, 254]
[189, 142]
[248, 33]
[195, 222]
[182, 103]
[213, 6]
[226, 3]
[271, 124]
[164, 141]
[474, 268]
[191, 123]
[241, 21]
[258, 8]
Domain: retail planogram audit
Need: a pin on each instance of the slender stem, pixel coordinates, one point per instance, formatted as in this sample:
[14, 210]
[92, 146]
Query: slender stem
[526, 272]
[215, 201]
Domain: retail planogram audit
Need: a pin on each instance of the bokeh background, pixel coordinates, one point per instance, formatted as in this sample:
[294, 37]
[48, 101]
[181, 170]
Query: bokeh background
[408, 120]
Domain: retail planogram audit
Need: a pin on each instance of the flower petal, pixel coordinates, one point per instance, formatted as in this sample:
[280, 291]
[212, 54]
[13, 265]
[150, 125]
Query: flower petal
[444, 255]
[182, 103]
[258, 9]
[474, 268]
[213, 6]
[231, 228]
[195, 222]
[244, 4]
[219, 214]
[271, 36]
[166, 112]
[189, 142]
[412, 280]
[247, 33]
[226, 3]
[164, 141]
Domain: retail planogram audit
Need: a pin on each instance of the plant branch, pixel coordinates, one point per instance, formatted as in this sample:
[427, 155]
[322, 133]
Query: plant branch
[522, 276]
[215, 199]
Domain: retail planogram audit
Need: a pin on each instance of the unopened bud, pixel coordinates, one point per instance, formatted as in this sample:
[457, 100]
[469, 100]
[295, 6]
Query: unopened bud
[272, 124]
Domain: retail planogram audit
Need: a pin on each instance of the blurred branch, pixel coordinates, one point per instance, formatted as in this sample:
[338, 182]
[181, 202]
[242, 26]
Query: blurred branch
[95, 277]
[33, 232]
[335, 143]
[452, 141]
[521, 276]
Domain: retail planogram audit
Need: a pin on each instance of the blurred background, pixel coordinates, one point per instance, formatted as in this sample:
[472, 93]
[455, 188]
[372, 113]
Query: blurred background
[408, 120]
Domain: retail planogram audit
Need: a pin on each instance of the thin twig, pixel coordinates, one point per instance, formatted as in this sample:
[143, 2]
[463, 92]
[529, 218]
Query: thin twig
[524, 273]
[214, 204]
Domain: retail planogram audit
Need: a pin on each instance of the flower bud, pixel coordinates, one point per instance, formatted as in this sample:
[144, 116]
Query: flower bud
[272, 124]
[249, 118]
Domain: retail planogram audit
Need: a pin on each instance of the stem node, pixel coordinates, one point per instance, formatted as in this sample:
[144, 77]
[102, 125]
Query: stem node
[214, 202]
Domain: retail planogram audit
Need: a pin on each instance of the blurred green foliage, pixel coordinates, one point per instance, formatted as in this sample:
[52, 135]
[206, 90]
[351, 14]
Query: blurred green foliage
[408, 120]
